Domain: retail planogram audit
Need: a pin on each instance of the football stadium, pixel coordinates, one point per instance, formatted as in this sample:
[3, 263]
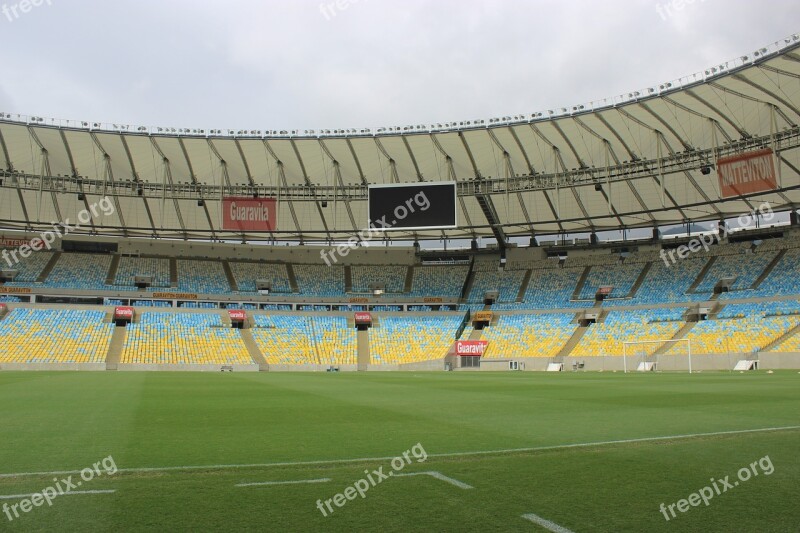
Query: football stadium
[585, 318]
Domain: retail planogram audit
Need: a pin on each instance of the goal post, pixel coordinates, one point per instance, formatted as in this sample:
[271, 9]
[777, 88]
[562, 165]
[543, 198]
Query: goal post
[644, 351]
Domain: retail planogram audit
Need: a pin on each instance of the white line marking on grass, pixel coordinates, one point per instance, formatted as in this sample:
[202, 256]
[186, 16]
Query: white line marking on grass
[69, 493]
[547, 524]
[440, 476]
[266, 483]
[377, 459]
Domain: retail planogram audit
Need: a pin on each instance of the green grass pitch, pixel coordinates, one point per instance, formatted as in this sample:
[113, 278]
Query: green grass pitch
[277, 427]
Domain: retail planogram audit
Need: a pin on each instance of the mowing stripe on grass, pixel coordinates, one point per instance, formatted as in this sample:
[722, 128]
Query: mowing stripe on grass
[437, 475]
[68, 493]
[299, 481]
[547, 524]
[376, 459]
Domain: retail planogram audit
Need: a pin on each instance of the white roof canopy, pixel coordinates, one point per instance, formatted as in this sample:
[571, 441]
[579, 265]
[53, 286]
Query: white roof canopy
[629, 162]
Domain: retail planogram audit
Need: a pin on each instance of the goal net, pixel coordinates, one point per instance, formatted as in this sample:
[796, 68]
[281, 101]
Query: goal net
[659, 354]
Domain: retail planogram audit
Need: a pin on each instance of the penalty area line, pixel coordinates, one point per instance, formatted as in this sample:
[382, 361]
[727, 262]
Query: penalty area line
[503, 451]
[547, 524]
[439, 476]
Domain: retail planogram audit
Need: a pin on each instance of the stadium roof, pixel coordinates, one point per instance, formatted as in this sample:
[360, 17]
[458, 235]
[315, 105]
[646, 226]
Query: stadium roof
[635, 160]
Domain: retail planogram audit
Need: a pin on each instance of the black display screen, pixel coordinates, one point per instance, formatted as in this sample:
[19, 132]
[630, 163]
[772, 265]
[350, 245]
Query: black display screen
[412, 206]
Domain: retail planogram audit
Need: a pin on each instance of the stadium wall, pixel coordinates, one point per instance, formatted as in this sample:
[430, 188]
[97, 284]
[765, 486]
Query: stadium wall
[666, 363]
[138, 367]
[66, 367]
[776, 360]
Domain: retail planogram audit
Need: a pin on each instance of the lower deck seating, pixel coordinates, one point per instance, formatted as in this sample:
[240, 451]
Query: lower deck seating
[336, 342]
[65, 335]
[412, 339]
[608, 338]
[303, 340]
[285, 339]
[738, 335]
[792, 344]
[183, 338]
[528, 335]
[54, 336]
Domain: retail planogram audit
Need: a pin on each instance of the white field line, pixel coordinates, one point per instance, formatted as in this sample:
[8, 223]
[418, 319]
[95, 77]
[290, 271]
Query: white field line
[547, 524]
[389, 458]
[69, 493]
[440, 476]
[299, 481]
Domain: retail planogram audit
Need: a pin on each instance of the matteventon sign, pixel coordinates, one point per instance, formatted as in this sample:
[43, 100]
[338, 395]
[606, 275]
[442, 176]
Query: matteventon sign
[747, 173]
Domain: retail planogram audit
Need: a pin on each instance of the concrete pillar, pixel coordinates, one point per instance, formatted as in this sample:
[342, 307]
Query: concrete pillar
[362, 337]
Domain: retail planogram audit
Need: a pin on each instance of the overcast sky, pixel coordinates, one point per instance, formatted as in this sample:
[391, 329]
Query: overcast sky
[274, 64]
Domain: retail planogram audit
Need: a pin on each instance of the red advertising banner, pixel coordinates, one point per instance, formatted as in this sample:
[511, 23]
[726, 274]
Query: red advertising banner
[249, 214]
[36, 244]
[123, 313]
[471, 347]
[237, 315]
[747, 173]
[13, 243]
[363, 318]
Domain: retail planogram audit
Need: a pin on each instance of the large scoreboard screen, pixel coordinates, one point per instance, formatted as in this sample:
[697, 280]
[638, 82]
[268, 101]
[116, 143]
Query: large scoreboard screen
[412, 206]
